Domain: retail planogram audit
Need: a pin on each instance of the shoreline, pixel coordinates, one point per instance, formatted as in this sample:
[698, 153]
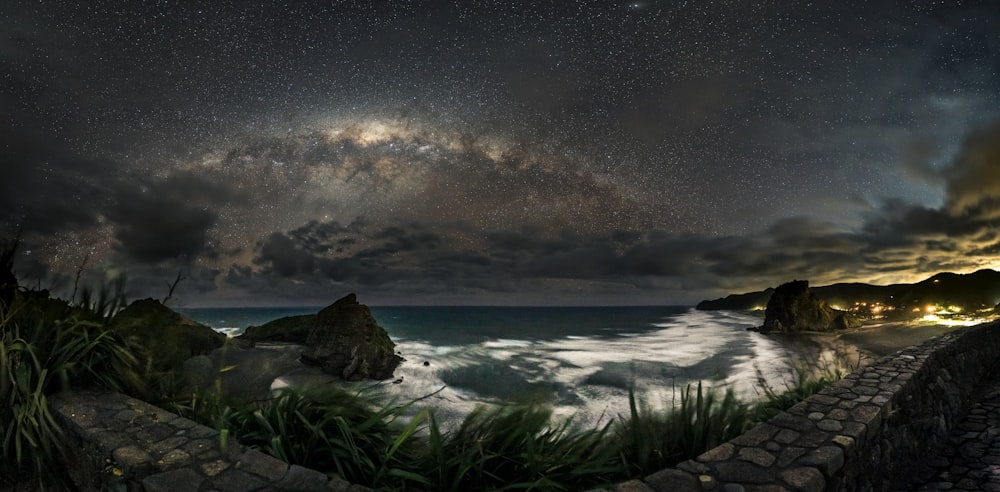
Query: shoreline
[270, 366]
[876, 339]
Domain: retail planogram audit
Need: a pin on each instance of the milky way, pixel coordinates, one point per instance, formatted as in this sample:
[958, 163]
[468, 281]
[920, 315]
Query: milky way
[498, 152]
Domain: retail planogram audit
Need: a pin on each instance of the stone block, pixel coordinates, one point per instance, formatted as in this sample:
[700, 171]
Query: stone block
[180, 480]
[634, 486]
[672, 480]
[789, 455]
[786, 436]
[213, 468]
[827, 459]
[233, 480]
[823, 399]
[131, 456]
[804, 479]
[812, 438]
[788, 421]
[721, 452]
[855, 430]
[201, 432]
[182, 423]
[263, 465]
[693, 467]
[173, 459]
[845, 442]
[756, 456]
[161, 447]
[302, 480]
[868, 415]
[741, 472]
[865, 390]
[829, 425]
[756, 436]
[127, 415]
[154, 433]
[109, 440]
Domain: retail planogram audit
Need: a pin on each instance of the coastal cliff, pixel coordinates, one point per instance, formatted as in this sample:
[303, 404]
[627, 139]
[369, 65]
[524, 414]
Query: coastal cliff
[793, 307]
[942, 293]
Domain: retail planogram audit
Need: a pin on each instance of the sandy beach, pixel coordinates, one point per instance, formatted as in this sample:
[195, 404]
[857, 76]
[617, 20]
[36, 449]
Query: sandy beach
[881, 339]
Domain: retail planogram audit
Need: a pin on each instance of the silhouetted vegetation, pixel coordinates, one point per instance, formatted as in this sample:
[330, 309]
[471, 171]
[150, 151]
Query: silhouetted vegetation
[516, 447]
[47, 345]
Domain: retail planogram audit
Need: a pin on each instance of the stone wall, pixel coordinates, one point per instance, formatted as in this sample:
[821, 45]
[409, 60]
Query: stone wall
[123, 444]
[862, 433]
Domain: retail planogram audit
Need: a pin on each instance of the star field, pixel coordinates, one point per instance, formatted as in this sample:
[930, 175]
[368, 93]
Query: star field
[498, 152]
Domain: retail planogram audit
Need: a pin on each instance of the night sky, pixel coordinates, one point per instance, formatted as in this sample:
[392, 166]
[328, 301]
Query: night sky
[488, 152]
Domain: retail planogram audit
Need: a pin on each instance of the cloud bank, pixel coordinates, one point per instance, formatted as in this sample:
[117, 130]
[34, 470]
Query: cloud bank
[378, 236]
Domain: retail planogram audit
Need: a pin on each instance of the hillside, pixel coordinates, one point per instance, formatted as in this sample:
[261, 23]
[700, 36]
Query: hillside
[942, 293]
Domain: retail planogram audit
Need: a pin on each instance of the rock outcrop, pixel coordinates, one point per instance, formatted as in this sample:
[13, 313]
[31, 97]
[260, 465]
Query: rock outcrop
[290, 329]
[170, 338]
[343, 339]
[793, 307]
[348, 342]
[737, 302]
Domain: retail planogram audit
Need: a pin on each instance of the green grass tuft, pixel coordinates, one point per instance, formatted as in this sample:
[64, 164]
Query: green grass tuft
[47, 345]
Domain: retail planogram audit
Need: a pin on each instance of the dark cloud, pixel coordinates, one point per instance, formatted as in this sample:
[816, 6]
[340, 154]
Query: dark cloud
[284, 257]
[44, 188]
[163, 219]
[973, 188]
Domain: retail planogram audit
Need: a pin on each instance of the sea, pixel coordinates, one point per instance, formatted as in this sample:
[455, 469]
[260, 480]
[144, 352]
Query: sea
[580, 361]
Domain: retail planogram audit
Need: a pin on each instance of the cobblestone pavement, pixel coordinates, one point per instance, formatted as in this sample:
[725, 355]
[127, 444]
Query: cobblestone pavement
[126, 444]
[971, 458]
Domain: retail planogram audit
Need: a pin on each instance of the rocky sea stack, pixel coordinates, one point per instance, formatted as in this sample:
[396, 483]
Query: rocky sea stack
[347, 341]
[343, 339]
[793, 308]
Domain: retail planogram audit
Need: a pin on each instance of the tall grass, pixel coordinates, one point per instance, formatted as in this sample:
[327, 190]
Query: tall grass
[807, 381]
[348, 435]
[519, 447]
[47, 345]
[652, 440]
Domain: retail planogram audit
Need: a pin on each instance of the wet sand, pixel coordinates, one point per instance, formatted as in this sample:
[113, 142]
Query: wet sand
[882, 339]
[861, 346]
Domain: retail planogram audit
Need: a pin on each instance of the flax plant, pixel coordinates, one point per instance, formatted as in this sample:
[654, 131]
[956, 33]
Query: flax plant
[47, 345]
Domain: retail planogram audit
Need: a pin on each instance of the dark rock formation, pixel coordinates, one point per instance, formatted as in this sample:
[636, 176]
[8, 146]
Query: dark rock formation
[170, 338]
[969, 292]
[348, 342]
[793, 307]
[290, 329]
[737, 302]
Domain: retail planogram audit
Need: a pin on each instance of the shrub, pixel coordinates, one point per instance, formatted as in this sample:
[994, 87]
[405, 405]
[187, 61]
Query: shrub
[47, 345]
[652, 440]
[808, 380]
[519, 448]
